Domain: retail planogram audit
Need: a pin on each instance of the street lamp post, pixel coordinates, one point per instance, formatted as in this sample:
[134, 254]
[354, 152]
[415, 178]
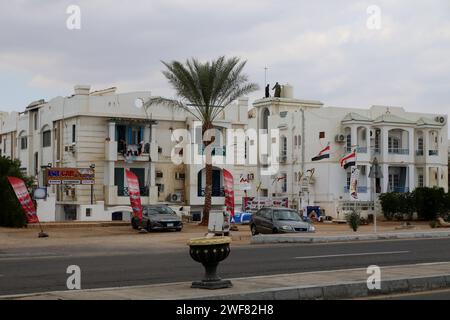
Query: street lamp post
[375, 173]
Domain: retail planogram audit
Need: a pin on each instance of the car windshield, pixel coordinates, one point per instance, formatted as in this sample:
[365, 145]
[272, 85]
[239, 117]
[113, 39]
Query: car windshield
[286, 215]
[159, 210]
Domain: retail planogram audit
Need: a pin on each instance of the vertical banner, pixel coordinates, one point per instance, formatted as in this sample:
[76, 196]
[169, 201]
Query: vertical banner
[134, 192]
[24, 198]
[354, 183]
[228, 185]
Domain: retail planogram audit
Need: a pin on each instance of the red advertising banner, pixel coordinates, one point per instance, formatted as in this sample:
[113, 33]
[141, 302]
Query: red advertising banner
[24, 198]
[228, 185]
[135, 195]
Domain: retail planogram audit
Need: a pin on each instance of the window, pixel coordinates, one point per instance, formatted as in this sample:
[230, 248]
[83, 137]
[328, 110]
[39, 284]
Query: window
[35, 120]
[46, 138]
[295, 140]
[88, 212]
[349, 142]
[322, 135]
[36, 163]
[421, 181]
[23, 143]
[74, 130]
[284, 185]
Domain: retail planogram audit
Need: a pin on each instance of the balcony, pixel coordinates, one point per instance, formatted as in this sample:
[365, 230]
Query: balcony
[398, 151]
[216, 192]
[123, 191]
[135, 152]
[433, 152]
[358, 189]
[419, 153]
[215, 151]
[361, 150]
[398, 189]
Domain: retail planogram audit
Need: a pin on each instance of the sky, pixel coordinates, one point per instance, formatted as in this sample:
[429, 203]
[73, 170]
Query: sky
[339, 52]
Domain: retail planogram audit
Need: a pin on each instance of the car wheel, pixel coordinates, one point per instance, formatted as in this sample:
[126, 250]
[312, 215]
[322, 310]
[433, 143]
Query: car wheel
[179, 229]
[274, 230]
[253, 230]
[149, 226]
[134, 224]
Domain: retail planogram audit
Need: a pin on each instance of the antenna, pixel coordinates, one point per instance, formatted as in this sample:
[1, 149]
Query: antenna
[265, 75]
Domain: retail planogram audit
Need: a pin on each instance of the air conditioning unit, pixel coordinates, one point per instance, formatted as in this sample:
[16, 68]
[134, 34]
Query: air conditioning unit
[251, 176]
[340, 138]
[70, 148]
[159, 174]
[440, 119]
[176, 197]
[179, 176]
[159, 150]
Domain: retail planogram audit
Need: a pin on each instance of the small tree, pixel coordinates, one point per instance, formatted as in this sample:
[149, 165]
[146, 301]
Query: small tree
[353, 220]
[11, 212]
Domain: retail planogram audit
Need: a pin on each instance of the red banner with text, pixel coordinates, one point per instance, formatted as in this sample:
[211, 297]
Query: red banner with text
[134, 192]
[228, 185]
[24, 198]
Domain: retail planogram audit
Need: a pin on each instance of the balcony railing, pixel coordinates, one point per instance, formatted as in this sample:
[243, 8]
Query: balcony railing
[123, 191]
[398, 189]
[358, 189]
[133, 149]
[215, 192]
[398, 151]
[419, 153]
[361, 150]
[433, 152]
[375, 150]
[215, 151]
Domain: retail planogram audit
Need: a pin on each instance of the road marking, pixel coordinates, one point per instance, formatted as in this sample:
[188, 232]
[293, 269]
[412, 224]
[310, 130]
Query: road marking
[353, 254]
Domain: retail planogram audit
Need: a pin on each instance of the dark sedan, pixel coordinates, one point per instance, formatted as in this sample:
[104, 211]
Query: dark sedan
[278, 220]
[158, 218]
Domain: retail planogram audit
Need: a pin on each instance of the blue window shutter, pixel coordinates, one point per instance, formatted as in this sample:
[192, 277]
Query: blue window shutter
[130, 135]
[141, 137]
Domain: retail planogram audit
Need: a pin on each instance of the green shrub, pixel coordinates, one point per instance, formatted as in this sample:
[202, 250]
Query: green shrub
[11, 212]
[430, 202]
[354, 220]
[433, 224]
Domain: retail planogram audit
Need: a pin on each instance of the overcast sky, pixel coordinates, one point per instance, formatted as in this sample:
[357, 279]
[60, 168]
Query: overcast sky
[323, 48]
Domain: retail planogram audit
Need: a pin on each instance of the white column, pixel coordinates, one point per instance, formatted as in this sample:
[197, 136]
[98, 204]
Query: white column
[354, 135]
[385, 180]
[112, 130]
[411, 144]
[411, 177]
[384, 143]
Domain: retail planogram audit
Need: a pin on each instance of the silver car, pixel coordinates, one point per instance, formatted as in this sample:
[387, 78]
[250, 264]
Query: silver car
[157, 218]
[278, 220]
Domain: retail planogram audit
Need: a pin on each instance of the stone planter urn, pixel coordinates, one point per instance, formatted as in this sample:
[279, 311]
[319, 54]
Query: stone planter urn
[209, 252]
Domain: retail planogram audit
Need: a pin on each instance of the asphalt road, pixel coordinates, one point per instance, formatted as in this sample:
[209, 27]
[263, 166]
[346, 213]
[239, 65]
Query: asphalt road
[31, 271]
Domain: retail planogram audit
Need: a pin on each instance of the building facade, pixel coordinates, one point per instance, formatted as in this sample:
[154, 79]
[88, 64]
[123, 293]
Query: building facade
[112, 132]
[411, 149]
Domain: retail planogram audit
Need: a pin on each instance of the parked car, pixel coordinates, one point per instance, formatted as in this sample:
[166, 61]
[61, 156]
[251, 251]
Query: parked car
[278, 220]
[158, 218]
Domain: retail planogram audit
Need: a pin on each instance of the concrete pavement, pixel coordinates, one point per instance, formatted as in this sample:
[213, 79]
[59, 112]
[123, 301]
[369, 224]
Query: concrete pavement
[318, 238]
[337, 284]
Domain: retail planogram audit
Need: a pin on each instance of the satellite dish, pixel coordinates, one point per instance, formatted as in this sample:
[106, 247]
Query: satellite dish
[139, 103]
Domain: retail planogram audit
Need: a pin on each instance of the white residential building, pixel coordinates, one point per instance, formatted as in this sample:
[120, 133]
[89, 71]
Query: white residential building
[113, 132]
[411, 148]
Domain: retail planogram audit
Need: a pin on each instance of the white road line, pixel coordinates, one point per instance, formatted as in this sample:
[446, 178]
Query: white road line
[353, 254]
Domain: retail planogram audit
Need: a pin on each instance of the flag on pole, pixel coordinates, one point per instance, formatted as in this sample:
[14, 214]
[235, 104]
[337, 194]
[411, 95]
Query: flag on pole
[135, 194]
[324, 154]
[228, 186]
[348, 160]
[354, 183]
[24, 198]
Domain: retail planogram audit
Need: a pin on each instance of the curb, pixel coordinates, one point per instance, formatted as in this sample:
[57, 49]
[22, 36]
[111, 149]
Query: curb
[52, 225]
[268, 239]
[342, 291]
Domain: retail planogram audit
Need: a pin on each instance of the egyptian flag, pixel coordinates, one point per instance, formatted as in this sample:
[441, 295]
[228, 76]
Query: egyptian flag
[349, 160]
[324, 154]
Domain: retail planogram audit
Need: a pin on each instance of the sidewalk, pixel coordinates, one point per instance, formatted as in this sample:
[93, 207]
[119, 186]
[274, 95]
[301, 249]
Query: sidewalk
[323, 238]
[340, 284]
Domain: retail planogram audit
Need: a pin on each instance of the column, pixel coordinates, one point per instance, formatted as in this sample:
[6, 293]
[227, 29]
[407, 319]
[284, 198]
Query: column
[354, 135]
[411, 144]
[385, 180]
[411, 177]
[384, 143]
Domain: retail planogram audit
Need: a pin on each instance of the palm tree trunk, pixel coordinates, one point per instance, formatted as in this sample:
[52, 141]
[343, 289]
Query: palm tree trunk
[208, 174]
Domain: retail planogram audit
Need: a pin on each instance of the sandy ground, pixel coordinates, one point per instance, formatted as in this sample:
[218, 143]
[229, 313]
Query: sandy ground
[124, 237]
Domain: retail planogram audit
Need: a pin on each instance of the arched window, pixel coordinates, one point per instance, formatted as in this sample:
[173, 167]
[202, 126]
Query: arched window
[46, 137]
[265, 119]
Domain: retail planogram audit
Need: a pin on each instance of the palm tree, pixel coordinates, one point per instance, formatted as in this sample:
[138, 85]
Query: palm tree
[204, 90]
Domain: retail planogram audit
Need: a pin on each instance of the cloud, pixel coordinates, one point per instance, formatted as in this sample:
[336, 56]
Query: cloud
[323, 48]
